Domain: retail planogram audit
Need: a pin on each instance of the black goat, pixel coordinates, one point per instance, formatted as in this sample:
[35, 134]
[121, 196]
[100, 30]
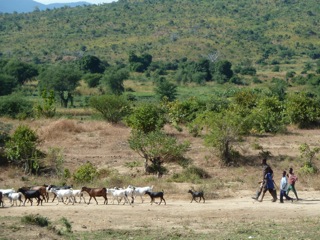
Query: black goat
[154, 195]
[196, 195]
[1, 202]
[29, 194]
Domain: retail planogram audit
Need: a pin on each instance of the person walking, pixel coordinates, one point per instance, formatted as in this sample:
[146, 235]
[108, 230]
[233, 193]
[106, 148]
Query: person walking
[292, 178]
[269, 186]
[284, 187]
[265, 169]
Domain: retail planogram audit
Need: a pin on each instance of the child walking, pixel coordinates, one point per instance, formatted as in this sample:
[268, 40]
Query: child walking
[284, 187]
[292, 181]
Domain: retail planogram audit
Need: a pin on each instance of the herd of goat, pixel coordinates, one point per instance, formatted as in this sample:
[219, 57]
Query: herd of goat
[66, 194]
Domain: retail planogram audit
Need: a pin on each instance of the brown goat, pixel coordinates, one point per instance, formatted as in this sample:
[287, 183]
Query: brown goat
[96, 192]
[43, 191]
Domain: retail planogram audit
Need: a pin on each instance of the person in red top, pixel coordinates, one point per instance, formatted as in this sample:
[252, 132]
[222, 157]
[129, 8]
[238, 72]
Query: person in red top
[292, 181]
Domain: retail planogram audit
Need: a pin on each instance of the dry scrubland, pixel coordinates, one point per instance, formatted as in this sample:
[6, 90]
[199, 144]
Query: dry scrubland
[229, 211]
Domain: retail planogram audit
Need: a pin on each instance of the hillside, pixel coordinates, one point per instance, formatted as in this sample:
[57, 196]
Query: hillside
[25, 6]
[247, 32]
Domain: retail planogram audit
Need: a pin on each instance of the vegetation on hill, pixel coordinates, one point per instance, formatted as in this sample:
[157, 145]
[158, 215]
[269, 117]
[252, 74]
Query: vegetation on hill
[248, 32]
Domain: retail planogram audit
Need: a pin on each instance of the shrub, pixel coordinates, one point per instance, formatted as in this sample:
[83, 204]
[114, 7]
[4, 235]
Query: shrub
[85, 173]
[191, 174]
[35, 220]
[146, 118]
[15, 106]
[113, 108]
[21, 149]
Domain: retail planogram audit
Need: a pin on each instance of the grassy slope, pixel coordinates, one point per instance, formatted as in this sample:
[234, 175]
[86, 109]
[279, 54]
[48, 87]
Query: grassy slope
[166, 29]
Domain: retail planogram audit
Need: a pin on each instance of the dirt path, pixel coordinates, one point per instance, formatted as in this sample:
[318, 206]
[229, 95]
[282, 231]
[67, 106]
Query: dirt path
[176, 214]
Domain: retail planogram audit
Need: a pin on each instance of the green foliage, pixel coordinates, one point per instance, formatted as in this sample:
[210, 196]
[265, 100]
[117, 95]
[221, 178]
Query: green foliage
[308, 155]
[34, 219]
[114, 78]
[157, 148]
[224, 131]
[184, 112]
[191, 174]
[61, 78]
[86, 173]
[47, 108]
[21, 149]
[268, 116]
[21, 71]
[302, 109]
[112, 107]
[222, 71]
[67, 224]
[7, 83]
[92, 64]
[146, 118]
[92, 79]
[278, 88]
[15, 106]
[139, 64]
[165, 89]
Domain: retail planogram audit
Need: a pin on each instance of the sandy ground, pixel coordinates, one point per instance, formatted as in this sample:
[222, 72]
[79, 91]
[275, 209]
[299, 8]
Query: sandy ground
[201, 217]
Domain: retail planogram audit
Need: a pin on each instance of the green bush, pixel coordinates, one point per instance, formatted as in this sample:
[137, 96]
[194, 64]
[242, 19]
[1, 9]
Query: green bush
[85, 173]
[35, 220]
[146, 118]
[191, 174]
[21, 149]
[15, 106]
[112, 107]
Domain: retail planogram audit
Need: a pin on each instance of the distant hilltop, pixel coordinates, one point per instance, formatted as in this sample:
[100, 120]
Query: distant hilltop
[19, 6]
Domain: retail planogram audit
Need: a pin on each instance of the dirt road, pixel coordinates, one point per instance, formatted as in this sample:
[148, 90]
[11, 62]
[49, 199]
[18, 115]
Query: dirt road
[174, 215]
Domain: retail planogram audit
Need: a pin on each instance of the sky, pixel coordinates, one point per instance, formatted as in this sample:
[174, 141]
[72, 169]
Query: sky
[68, 1]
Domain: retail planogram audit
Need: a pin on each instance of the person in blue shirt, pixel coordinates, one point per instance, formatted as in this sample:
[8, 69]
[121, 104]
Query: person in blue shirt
[269, 186]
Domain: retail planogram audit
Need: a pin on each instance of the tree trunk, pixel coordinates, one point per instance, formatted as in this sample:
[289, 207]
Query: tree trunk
[64, 101]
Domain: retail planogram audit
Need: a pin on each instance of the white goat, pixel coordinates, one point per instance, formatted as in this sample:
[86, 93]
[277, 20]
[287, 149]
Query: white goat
[14, 197]
[77, 193]
[140, 191]
[7, 191]
[121, 193]
[62, 193]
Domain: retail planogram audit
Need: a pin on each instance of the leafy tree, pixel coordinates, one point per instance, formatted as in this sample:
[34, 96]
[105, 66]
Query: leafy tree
[21, 149]
[166, 89]
[114, 80]
[112, 107]
[308, 155]
[183, 112]
[63, 79]
[92, 64]
[139, 64]
[7, 83]
[302, 109]
[157, 148]
[222, 71]
[146, 118]
[15, 106]
[268, 115]
[224, 130]
[20, 71]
